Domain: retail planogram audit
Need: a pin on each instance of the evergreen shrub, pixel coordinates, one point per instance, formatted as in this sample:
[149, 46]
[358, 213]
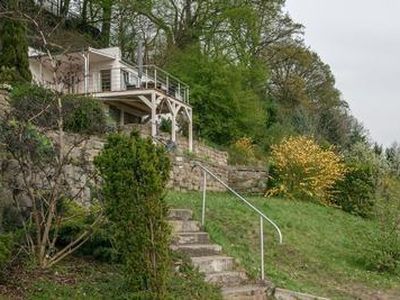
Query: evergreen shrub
[77, 218]
[83, 115]
[383, 253]
[134, 174]
[355, 193]
[39, 105]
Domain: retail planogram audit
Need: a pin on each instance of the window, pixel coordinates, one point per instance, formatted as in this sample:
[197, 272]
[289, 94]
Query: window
[105, 80]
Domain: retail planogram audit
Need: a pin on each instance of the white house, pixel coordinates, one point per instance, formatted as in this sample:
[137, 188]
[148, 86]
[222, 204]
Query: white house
[129, 92]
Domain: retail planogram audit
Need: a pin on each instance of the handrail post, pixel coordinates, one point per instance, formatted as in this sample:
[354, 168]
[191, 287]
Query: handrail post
[203, 211]
[262, 247]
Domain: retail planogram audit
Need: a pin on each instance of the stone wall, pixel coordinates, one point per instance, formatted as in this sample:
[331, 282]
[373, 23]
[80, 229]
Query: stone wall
[185, 176]
[200, 150]
[4, 105]
[249, 180]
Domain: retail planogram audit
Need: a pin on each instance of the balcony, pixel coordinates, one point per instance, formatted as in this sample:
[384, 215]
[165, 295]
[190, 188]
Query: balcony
[130, 78]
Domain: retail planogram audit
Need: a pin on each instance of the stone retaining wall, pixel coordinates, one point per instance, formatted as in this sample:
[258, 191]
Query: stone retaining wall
[78, 173]
[4, 105]
[249, 180]
[186, 177]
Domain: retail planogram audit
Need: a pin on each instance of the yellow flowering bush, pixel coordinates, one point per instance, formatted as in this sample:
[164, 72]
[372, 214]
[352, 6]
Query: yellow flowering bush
[302, 169]
[242, 151]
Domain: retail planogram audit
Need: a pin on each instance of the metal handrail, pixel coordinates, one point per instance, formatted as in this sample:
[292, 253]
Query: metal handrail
[260, 213]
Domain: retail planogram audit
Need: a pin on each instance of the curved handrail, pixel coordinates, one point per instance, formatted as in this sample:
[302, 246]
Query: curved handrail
[260, 213]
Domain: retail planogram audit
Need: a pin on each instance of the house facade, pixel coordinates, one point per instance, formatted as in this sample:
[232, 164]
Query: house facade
[129, 93]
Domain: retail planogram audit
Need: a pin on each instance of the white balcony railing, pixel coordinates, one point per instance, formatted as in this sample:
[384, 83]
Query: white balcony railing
[129, 78]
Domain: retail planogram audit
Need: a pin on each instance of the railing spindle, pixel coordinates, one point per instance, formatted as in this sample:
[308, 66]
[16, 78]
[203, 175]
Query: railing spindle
[262, 246]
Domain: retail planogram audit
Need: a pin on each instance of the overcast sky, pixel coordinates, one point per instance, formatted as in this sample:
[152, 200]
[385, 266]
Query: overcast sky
[360, 40]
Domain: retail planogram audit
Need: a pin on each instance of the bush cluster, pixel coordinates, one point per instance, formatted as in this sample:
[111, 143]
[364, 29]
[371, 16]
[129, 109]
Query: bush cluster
[7, 243]
[303, 170]
[40, 106]
[135, 173]
[355, 193]
[242, 152]
[383, 253]
[76, 219]
[366, 169]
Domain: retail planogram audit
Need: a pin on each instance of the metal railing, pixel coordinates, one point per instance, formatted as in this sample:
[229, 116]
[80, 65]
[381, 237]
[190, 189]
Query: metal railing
[155, 77]
[255, 209]
[127, 78]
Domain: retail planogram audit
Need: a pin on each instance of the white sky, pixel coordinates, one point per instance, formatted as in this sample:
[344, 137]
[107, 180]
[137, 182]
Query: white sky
[360, 40]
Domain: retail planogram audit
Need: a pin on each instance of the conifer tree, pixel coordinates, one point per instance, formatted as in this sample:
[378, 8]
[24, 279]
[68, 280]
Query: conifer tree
[14, 45]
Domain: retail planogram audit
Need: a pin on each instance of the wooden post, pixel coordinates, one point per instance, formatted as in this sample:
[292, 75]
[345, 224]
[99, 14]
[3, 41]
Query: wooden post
[173, 127]
[190, 131]
[153, 115]
[86, 72]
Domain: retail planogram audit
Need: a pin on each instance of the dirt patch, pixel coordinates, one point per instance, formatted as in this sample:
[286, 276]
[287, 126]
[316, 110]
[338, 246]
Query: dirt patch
[19, 279]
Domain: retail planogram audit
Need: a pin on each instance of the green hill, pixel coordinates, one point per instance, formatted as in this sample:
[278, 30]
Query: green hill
[323, 249]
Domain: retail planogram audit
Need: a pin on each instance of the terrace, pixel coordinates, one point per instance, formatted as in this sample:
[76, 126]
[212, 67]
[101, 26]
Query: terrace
[130, 93]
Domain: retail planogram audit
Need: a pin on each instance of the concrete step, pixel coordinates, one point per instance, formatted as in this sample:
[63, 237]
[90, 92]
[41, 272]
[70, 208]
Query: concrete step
[196, 250]
[247, 292]
[184, 238]
[214, 264]
[227, 279]
[184, 226]
[180, 214]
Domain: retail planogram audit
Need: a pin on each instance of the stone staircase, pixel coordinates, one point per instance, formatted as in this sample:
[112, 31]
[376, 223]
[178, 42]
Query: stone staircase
[218, 268]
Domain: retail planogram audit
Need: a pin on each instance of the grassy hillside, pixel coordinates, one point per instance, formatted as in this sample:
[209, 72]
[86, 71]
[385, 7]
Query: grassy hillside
[323, 247]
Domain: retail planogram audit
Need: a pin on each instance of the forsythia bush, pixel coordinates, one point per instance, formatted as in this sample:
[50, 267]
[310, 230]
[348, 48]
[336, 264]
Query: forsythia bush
[302, 169]
[242, 151]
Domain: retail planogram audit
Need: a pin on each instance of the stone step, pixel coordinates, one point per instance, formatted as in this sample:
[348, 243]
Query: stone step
[247, 292]
[184, 226]
[184, 238]
[196, 250]
[226, 279]
[283, 294]
[180, 214]
[214, 264]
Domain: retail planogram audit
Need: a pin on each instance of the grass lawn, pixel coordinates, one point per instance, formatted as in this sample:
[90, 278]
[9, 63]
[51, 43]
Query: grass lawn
[322, 252]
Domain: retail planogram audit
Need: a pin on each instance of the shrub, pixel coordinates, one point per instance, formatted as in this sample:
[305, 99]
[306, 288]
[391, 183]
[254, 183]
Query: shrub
[242, 152]
[78, 218]
[83, 115]
[166, 125]
[304, 170]
[135, 173]
[383, 253]
[7, 244]
[34, 103]
[362, 154]
[355, 193]
[39, 105]
[9, 75]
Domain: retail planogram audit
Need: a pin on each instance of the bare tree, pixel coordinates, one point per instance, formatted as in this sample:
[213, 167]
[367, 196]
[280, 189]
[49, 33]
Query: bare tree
[40, 161]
